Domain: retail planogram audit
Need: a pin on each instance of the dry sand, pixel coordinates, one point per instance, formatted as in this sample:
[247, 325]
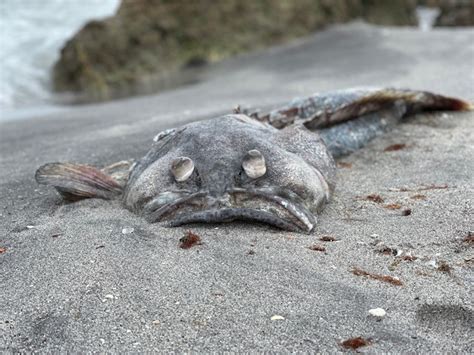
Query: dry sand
[72, 281]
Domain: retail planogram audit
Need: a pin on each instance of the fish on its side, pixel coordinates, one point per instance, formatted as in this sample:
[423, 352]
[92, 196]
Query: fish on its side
[275, 167]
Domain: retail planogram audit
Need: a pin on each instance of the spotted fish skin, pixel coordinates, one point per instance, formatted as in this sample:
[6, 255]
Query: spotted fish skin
[322, 110]
[275, 167]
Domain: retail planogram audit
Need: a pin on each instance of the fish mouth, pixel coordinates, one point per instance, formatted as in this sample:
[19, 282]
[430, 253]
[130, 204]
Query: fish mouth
[276, 207]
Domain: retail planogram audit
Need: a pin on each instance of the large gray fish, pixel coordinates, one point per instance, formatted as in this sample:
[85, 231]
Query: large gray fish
[275, 167]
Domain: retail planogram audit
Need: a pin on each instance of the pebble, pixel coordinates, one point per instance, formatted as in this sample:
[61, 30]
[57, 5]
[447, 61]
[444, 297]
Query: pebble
[128, 230]
[109, 297]
[277, 317]
[377, 312]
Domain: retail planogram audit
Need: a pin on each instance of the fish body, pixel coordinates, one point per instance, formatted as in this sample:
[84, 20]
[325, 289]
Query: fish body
[275, 167]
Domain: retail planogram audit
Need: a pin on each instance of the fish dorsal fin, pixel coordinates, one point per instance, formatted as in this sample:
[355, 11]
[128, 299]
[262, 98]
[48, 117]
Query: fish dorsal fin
[78, 181]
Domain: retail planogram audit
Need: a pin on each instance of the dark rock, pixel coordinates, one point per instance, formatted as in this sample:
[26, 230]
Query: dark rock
[149, 41]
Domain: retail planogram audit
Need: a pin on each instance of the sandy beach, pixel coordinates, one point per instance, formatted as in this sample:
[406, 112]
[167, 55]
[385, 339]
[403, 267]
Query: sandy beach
[92, 276]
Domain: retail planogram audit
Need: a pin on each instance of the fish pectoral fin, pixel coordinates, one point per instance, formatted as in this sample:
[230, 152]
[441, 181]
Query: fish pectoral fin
[78, 181]
[119, 171]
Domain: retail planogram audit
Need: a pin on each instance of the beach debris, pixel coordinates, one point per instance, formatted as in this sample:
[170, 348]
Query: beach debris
[156, 322]
[398, 253]
[393, 206]
[355, 343]
[394, 147]
[384, 278]
[277, 317]
[377, 312]
[469, 238]
[374, 198]
[344, 164]
[421, 188]
[409, 257]
[189, 240]
[443, 266]
[30, 227]
[317, 247]
[418, 197]
[386, 250]
[2, 250]
[128, 230]
[109, 297]
[327, 238]
[406, 212]
[251, 252]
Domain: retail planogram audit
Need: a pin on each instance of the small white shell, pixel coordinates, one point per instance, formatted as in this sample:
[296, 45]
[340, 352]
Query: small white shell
[182, 168]
[377, 312]
[254, 164]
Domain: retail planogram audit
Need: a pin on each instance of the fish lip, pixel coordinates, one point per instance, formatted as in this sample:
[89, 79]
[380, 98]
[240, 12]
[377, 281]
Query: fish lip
[233, 214]
[293, 216]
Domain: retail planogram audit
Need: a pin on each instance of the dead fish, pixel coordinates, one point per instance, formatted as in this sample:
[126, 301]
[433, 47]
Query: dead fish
[275, 167]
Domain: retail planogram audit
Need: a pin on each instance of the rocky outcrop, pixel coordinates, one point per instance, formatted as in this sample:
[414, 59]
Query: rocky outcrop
[149, 41]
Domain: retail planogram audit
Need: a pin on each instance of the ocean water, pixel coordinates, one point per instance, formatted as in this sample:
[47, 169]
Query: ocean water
[32, 33]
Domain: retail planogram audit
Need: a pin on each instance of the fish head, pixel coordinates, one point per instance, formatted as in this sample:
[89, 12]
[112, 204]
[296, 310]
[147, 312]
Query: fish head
[233, 168]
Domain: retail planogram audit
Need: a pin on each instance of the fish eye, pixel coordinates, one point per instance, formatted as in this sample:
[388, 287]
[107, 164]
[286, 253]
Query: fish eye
[182, 168]
[254, 164]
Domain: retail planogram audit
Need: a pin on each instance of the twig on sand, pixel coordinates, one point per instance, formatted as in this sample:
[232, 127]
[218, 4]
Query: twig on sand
[385, 278]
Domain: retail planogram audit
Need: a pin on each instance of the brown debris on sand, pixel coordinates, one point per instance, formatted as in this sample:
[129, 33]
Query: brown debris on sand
[189, 240]
[393, 206]
[327, 238]
[374, 198]
[406, 212]
[317, 247]
[444, 267]
[385, 278]
[395, 147]
[355, 343]
[469, 238]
